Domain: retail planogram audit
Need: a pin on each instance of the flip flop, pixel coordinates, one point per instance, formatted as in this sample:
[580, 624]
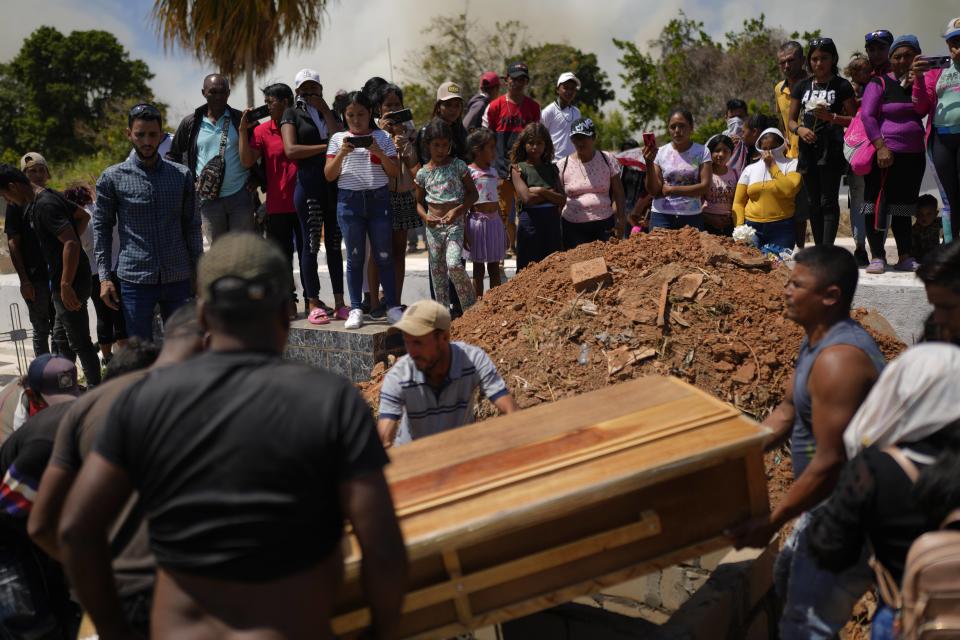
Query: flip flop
[342, 313]
[318, 316]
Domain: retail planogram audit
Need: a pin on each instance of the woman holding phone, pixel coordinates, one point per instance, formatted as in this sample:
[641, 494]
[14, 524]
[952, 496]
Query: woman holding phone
[678, 176]
[306, 128]
[936, 92]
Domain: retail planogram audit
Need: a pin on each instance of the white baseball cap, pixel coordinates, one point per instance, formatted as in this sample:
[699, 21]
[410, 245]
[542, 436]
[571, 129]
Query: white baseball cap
[306, 75]
[567, 75]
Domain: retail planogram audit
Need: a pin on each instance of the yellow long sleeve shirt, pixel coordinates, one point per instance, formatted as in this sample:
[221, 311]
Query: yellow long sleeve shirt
[767, 200]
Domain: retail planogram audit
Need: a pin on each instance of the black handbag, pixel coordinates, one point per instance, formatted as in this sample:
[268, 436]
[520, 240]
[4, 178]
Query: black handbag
[211, 178]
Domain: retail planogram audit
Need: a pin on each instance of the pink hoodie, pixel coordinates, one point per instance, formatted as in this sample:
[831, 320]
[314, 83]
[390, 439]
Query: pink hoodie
[925, 96]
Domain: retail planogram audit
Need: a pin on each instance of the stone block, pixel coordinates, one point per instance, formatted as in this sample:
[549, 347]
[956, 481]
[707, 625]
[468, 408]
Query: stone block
[588, 274]
[673, 592]
[352, 354]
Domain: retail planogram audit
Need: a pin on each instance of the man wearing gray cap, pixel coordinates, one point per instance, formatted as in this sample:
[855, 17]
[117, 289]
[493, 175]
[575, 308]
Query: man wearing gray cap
[432, 388]
[247, 465]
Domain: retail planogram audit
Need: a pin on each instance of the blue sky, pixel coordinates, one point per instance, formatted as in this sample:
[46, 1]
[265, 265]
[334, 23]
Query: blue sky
[354, 42]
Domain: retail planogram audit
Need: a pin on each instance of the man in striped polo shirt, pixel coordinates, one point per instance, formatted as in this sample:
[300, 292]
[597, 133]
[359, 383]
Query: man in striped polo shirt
[433, 388]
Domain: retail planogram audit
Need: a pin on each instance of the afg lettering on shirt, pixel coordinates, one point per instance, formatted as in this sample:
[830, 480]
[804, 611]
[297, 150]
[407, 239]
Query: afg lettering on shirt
[511, 122]
[830, 95]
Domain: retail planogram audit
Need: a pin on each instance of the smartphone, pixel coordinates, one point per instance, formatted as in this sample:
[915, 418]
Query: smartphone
[360, 141]
[937, 62]
[259, 113]
[399, 117]
[649, 139]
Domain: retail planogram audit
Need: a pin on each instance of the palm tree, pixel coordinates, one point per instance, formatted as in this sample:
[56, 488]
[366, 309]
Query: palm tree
[239, 36]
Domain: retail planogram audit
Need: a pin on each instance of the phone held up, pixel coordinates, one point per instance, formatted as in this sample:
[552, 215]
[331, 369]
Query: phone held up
[399, 117]
[359, 141]
[649, 139]
[937, 62]
[259, 113]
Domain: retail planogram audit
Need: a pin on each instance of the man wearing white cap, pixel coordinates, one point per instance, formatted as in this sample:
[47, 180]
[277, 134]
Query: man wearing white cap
[432, 388]
[561, 113]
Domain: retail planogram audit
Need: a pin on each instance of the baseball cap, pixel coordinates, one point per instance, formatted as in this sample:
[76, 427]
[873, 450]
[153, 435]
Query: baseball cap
[243, 270]
[880, 35]
[490, 79]
[906, 40]
[953, 29]
[31, 158]
[54, 378]
[423, 317]
[305, 75]
[567, 76]
[583, 127]
[449, 91]
[518, 70]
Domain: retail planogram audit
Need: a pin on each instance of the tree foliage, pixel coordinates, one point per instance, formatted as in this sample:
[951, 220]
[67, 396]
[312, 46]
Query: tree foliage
[547, 61]
[239, 37]
[686, 67]
[61, 94]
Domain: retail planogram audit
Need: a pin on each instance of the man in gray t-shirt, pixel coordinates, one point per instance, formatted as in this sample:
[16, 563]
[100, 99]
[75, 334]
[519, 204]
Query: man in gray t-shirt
[432, 388]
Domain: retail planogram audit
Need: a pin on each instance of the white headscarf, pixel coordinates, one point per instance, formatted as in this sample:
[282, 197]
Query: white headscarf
[758, 172]
[917, 395]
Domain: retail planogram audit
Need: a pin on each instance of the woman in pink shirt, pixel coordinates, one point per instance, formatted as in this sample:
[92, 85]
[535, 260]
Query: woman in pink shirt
[595, 206]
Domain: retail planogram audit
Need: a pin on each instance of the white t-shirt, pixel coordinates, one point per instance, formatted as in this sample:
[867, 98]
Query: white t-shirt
[680, 170]
[362, 171]
[558, 122]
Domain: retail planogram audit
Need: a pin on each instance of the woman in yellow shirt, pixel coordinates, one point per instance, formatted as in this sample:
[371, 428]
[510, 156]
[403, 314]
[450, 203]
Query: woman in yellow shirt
[766, 192]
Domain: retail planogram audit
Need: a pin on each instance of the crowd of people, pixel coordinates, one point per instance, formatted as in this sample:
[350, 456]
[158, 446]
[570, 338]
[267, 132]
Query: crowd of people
[156, 501]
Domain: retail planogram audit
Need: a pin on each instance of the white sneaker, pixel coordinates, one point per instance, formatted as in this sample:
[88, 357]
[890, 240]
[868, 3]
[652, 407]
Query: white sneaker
[354, 320]
[394, 314]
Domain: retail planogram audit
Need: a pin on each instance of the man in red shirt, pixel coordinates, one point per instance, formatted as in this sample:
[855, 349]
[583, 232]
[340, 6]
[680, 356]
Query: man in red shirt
[507, 115]
[282, 224]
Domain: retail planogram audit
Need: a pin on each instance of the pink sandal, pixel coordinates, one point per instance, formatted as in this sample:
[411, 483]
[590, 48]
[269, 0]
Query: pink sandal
[318, 316]
[342, 313]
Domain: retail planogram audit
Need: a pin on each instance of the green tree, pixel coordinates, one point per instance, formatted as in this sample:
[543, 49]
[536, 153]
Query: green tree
[239, 38]
[60, 92]
[612, 128]
[420, 101]
[461, 50]
[547, 61]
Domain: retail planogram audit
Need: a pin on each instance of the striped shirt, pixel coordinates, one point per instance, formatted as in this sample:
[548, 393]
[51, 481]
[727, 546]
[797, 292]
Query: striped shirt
[159, 228]
[424, 410]
[361, 170]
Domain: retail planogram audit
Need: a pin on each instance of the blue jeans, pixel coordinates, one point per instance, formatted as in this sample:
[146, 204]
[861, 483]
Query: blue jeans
[781, 233]
[362, 214]
[669, 221]
[139, 300]
[816, 603]
[881, 628]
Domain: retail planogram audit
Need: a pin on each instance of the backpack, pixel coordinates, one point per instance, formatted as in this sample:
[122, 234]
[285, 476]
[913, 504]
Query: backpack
[929, 597]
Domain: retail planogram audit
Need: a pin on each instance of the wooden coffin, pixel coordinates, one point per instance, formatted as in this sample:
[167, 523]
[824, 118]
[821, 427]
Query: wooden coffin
[523, 512]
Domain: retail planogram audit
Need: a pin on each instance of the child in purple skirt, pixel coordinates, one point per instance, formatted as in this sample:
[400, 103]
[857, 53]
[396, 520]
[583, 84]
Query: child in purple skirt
[486, 236]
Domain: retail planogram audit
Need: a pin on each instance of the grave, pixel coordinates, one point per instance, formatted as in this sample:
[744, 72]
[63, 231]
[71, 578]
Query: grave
[352, 353]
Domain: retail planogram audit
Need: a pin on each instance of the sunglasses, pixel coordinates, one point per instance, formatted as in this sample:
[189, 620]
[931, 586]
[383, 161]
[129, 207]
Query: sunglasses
[821, 42]
[882, 34]
[144, 109]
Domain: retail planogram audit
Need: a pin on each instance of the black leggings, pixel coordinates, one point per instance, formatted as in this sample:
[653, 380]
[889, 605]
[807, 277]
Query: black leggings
[945, 152]
[822, 185]
[901, 188]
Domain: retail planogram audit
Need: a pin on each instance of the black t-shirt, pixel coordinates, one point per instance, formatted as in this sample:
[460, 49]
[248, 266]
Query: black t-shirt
[834, 93]
[49, 214]
[307, 134]
[16, 225]
[238, 457]
[23, 459]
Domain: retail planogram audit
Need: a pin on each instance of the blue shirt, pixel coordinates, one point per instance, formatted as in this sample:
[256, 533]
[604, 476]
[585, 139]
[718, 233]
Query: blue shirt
[425, 410]
[208, 147]
[159, 228]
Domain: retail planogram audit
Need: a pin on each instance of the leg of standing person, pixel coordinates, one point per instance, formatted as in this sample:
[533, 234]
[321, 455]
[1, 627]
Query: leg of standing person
[332, 243]
[77, 325]
[526, 239]
[138, 302]
[60, 345]
[479, 273]
[875, 223]
[105, 337]
[455, 267]
[281, 230]
[858, 226]
[354, 228]
[904, 191]
[174, 295]
[38, 312]
[830, 177]
[507, 196]
[945, 153]
[812, 187]
[239, 209]
[380, 230]
[437, 250]
[119, 326]
[306, 204]
[801, 214]
[214, 219]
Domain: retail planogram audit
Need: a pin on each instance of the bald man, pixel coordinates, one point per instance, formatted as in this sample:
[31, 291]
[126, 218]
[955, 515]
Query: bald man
[198, 141]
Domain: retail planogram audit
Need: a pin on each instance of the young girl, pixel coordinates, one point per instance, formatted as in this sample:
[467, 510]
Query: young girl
[486, 236]
[402, 191]
[537, 182]
[718, 204]
[361, 160]
[445, 192]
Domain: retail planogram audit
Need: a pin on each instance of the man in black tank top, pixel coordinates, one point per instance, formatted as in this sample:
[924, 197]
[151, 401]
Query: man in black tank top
[246, 466]
[837, 365]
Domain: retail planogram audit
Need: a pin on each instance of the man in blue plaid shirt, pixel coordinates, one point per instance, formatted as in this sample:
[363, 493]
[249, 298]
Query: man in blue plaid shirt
[151, 201]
